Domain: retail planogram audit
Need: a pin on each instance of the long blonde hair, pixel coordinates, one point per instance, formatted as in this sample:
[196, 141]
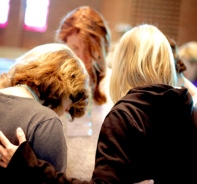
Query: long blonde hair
[142, 57]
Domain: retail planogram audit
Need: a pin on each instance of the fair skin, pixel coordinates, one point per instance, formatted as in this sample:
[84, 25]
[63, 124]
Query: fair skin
[10, 149]
[65, 106]
[74, 42]
[190, 73]
[7, 150]
[23, 92]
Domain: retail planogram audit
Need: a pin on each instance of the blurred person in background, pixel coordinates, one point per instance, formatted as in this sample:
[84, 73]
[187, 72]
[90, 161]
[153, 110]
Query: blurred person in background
[87, 33]
[181, 69]
[188, 54]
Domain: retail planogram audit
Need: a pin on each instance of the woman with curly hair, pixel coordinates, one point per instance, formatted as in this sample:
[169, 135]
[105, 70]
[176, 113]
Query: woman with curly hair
[45, 82]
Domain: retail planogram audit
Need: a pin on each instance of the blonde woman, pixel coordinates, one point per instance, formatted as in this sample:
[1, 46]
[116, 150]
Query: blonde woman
[45, 83]
[150, 134]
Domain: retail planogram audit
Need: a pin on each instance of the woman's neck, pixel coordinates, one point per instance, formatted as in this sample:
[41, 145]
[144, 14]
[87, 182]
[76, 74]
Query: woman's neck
[30, 90]
[20, 91]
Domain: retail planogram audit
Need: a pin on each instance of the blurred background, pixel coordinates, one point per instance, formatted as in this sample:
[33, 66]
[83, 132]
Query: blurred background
[28, 23]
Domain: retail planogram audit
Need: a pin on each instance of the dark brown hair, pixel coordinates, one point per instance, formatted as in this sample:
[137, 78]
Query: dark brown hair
[179, 65]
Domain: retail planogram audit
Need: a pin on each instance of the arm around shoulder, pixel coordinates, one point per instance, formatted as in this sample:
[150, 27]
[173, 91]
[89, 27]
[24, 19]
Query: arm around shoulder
[24, 167]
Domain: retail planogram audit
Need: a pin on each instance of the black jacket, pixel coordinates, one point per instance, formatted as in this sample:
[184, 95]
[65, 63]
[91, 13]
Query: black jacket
[149, 134]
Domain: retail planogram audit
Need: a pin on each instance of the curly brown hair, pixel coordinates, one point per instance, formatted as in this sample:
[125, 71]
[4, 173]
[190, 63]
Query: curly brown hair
[54, 75]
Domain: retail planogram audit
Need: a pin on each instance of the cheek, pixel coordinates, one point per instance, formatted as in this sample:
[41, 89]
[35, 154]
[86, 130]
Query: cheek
[84, 56]
[66, 105]
[88, 62]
